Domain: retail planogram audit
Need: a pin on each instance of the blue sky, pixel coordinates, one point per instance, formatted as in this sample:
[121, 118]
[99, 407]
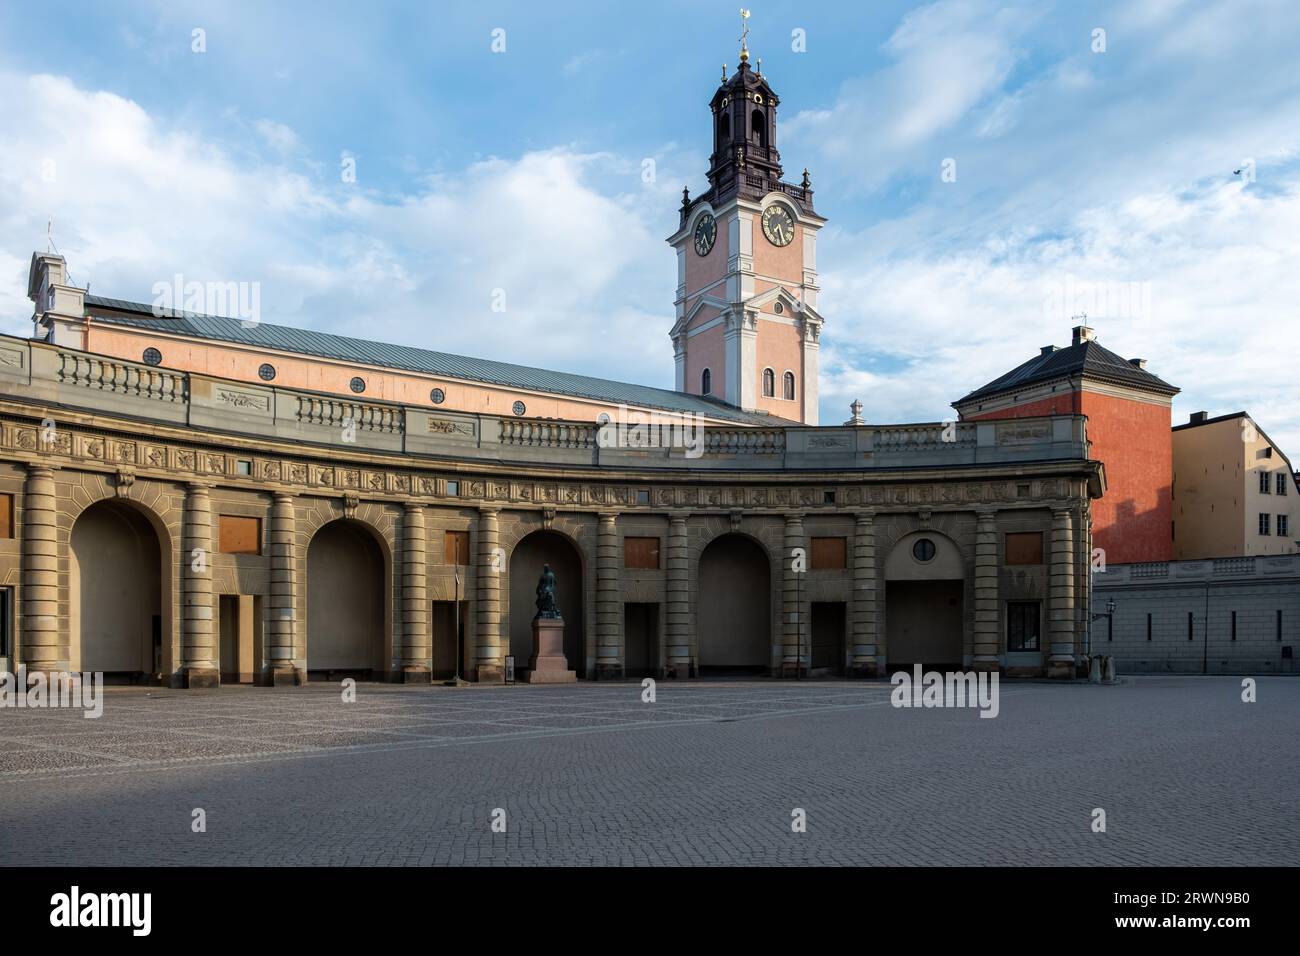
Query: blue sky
[1087, 180]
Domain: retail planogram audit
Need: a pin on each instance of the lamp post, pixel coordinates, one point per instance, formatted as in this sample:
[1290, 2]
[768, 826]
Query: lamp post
[1109, 615]
[456, 680]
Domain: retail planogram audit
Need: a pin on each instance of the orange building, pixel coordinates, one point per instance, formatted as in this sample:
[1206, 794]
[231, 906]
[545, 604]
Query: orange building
[1129, 418]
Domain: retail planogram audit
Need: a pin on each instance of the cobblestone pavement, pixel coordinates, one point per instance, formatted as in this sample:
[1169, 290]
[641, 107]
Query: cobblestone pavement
[708, 774]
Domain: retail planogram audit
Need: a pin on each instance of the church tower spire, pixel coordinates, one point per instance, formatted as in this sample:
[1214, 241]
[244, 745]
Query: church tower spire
[748, 330]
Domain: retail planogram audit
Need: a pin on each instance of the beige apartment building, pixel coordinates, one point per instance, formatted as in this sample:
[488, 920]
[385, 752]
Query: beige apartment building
[1234, 491]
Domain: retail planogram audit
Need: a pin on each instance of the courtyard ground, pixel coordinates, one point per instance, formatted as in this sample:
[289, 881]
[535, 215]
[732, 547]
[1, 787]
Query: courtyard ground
[710, 773]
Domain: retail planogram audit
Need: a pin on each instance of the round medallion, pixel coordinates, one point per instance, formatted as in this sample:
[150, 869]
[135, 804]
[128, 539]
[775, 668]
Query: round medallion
[437, 396]
[358, 384]
[923, 550]
[706, 233]
[266, 371]
[518, 408]
[152, 356]
[778, 225]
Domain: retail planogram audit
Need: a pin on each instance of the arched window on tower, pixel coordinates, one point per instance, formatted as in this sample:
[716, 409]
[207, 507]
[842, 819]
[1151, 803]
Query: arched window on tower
[706, 382]
[759, 124]
[724, 130]
[787, 386]
[769, 383]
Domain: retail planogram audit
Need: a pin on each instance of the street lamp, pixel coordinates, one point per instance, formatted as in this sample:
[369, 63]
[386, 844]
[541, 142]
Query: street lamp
[1109, 615]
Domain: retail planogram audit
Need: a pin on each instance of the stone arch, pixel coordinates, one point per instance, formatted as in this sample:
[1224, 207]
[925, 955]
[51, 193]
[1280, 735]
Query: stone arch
[120, 573]
[734, 609]
[528, 549]
[348, 599]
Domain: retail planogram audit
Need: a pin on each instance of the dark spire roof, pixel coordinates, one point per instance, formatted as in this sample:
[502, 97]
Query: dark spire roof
[1085, 357]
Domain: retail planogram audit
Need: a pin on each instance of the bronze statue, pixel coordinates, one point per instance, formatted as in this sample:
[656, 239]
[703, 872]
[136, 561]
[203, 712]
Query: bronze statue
[546, 606]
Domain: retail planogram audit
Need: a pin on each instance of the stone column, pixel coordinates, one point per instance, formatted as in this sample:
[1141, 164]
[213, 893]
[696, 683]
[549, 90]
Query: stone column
[677, 643]
[279, 667]
[417, 640]
[1060, 663]
[43, 643]
[199, 654]
[609, 625]
[796, 641]
[986, 642]
[865, 658]
[489, 658]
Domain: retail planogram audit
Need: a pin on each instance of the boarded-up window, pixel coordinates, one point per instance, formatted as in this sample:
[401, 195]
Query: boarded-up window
[456, 547]
[6, 516]
[1025, 547]
[829, 553]
[239, 535]
[641, 553]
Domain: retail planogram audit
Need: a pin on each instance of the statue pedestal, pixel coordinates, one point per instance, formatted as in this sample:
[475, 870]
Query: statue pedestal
[548, 664]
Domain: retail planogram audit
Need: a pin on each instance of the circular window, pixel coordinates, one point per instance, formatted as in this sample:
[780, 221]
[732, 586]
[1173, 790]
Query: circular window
[266, 371]
[358, 384]
[437, 396]
[518, 408]
[152, 357]
[778, 308]
[923, 550]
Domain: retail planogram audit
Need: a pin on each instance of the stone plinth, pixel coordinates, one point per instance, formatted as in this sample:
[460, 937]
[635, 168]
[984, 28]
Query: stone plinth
[548, 665]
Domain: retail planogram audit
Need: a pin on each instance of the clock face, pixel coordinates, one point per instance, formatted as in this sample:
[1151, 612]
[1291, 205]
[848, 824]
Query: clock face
[706, 232]
[778, 225]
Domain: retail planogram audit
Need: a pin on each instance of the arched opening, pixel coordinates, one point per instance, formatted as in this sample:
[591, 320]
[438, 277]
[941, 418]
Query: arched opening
[706, 382]
[724, 131]
[346, 601]
[759, 125]
[735, 605]
[924, 588]
[535, 550]
[787, 386]
[116, 622]
[769, 383]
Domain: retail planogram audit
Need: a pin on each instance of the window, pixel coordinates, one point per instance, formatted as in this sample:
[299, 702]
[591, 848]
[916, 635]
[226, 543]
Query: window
[1263, 483]
[437, 396]
[828, 497]
[641, 553]
[519, 408]
[6, 620]
[830, 554]
[152, 356]
[455, 547]
[1234, 625]
[243, 466]
[923, 550]
[1024, 547]
[769, 383]
[1191, 626]
[643, 496]
[1022, 625]
[706, 382]
[1263, 522]
[1148, 627]
[453, 489]
[787, 386]
[266, 372]
[1281, 483]
[6, 516]
[1279, 624]
[239, 535]
[1282, 528]
[358, 384]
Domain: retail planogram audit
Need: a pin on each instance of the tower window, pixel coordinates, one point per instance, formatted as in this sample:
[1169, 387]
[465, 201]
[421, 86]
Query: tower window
[706, 382]
[787, 386]
[724, 129]
[769, 383]
[759, 124]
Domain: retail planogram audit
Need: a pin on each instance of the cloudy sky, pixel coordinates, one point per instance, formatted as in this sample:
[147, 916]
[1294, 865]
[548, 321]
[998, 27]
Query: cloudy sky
[1093, 152]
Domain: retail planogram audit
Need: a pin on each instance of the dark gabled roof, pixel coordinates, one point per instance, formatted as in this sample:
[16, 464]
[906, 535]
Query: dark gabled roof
[285, 338]
[1087, 358]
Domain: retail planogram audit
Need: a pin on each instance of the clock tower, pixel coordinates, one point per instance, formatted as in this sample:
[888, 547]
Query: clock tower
[747, 327]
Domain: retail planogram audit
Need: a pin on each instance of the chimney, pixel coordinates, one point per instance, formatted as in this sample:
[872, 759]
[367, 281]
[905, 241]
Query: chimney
[1083, 333]
[1138, 363]
[1047, 350]
[1197, 418]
